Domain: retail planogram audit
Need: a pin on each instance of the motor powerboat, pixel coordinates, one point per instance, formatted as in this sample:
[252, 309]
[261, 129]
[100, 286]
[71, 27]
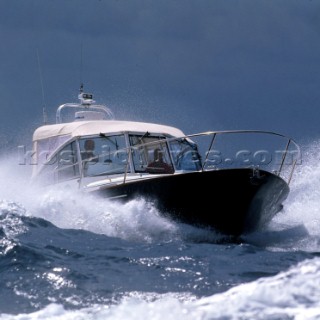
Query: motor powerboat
[226, 180]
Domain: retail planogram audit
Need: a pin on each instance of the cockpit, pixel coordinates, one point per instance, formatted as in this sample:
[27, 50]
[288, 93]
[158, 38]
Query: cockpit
[119, 154]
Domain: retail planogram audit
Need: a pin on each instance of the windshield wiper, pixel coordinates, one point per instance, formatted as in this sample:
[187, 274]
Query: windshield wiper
[147, 134]
[115, 143]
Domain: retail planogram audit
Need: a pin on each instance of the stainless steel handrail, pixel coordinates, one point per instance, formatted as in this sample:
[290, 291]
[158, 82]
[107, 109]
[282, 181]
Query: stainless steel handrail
[215, 134]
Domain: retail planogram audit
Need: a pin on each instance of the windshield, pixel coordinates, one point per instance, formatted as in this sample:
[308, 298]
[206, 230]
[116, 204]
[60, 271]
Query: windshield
[150, 154]
[103, 155]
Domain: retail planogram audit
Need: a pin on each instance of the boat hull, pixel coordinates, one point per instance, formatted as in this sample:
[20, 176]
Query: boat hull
[232, 201]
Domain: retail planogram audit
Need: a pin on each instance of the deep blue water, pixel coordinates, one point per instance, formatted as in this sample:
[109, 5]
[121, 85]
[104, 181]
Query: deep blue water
[68, 256]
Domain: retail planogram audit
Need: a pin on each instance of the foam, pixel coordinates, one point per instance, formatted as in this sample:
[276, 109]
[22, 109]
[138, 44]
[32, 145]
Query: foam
[293, 294]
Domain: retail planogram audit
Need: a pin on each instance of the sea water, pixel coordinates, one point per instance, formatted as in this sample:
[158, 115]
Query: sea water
[69, 256]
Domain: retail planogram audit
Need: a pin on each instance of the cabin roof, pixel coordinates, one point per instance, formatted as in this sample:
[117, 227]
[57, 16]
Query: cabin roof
[87, 128]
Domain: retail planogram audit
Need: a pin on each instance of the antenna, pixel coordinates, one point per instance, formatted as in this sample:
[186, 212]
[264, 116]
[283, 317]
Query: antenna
[81, 67]
[44, 109]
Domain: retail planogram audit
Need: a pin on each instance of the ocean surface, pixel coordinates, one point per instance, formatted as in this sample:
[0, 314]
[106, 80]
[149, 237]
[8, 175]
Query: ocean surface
[69, 256]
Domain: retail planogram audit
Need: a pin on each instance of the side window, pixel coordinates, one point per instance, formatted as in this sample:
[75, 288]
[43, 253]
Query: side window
[61, 167]
[47, 147]
[68, 166]
[185, 155]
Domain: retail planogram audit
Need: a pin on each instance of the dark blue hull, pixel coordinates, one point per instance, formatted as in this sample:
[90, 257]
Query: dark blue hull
[232, 201]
